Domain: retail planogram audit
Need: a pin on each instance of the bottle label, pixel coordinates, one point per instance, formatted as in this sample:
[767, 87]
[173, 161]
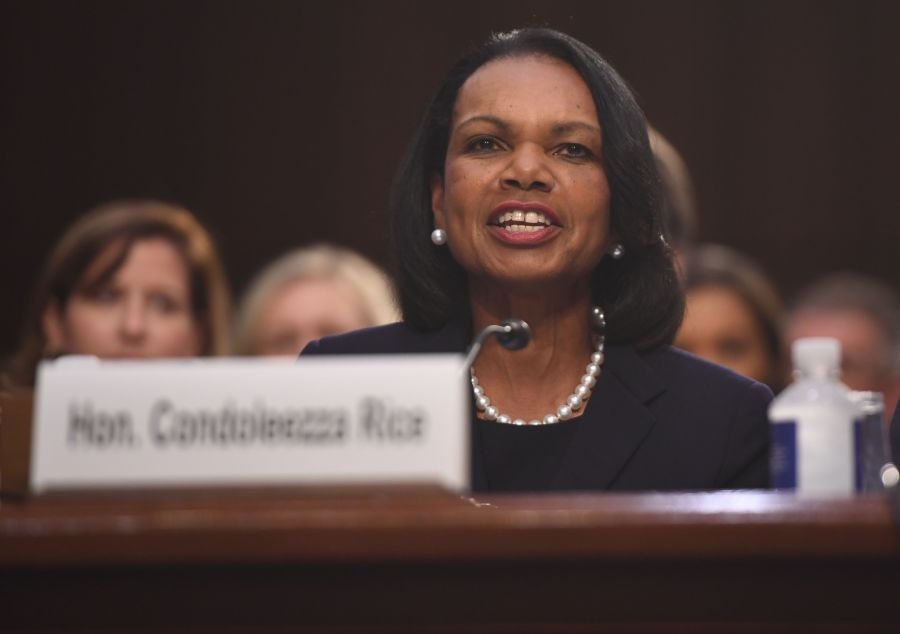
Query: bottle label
[783, 458]
[816, 457]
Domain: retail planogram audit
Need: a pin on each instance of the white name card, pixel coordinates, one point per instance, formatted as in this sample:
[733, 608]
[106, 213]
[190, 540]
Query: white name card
[207, 422]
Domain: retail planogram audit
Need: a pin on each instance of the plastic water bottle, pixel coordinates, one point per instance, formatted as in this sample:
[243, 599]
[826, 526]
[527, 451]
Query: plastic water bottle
[874, 453]
[816, 434]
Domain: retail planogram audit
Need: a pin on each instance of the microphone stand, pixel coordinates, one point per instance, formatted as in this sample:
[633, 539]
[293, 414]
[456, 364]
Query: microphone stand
[513, 334]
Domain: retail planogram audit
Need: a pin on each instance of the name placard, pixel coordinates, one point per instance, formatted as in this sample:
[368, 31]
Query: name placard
[207, 422]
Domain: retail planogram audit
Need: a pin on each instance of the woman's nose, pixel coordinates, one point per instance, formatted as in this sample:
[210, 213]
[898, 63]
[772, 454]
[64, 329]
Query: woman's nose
[527, 169]
[133, 326]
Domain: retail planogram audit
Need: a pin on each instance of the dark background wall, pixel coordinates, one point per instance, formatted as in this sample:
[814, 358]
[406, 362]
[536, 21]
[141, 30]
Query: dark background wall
[280, 123]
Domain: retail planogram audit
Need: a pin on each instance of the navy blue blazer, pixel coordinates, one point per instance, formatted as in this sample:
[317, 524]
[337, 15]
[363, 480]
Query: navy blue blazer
[656, 420]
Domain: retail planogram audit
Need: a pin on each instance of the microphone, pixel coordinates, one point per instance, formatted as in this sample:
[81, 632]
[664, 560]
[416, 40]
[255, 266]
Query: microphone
[513, 334]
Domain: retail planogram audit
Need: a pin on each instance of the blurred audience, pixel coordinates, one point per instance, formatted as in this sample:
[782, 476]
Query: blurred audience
[733, 316]
[310, 293]
[864, 315]
[131, 279]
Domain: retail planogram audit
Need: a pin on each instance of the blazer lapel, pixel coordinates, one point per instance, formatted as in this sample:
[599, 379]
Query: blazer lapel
[617, 421]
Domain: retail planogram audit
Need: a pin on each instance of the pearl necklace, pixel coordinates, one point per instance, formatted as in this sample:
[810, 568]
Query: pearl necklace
[573, 403]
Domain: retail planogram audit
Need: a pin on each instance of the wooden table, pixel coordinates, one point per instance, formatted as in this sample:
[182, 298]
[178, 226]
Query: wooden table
[422, 560]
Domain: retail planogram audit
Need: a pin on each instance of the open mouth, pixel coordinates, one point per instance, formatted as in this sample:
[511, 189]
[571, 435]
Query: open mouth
[521, 221]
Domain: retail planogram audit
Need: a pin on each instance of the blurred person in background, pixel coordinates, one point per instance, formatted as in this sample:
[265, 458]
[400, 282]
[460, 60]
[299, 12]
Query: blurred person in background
[131, 279]
[679, 204]
[733, 316]
[864, 315]
[310, 293]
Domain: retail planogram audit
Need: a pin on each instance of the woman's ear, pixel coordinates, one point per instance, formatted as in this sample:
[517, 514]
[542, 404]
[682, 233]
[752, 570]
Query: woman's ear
[437, 201]
[54, 330]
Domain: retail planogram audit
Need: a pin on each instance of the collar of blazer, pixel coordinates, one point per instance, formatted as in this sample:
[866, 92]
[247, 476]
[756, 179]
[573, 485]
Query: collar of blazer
[619, 420]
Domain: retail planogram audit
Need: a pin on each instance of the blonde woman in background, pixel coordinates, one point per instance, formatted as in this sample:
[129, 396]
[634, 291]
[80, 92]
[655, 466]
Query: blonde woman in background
[131, 279]
[310, 293]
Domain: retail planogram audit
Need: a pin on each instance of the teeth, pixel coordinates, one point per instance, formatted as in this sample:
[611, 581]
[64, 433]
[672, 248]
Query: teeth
[520, 216]
[522, 228]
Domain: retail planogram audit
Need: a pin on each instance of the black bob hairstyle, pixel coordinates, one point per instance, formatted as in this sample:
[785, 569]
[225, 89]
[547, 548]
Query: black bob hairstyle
[640, 293]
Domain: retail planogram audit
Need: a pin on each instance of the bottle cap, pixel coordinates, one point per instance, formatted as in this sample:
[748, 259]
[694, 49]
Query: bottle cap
[814, 355]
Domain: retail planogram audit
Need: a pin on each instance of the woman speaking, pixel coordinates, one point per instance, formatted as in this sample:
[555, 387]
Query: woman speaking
[529, 190]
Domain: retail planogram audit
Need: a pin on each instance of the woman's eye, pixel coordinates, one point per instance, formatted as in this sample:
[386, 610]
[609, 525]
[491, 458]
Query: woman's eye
[733, 348]
[164, 303]
[483, 144]
[105, 296]
[574, 151]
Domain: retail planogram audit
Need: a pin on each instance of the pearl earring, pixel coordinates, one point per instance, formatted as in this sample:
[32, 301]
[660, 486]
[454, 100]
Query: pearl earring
[439, 237]
[617, 252]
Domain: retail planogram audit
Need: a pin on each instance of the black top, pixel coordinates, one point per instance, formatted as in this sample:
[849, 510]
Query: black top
[656, 420]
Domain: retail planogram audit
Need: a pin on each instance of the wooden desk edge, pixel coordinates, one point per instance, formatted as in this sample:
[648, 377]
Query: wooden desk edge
[439, 526]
